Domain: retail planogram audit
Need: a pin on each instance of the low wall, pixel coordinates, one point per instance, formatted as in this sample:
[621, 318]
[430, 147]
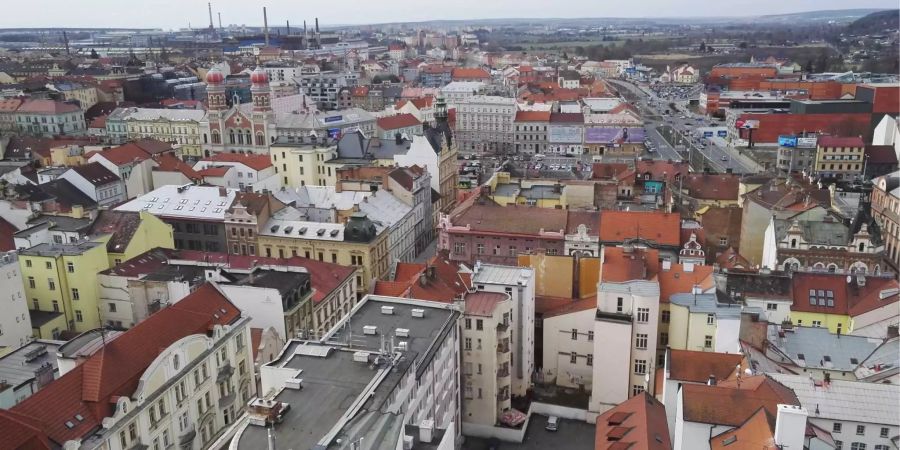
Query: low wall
[563, 412]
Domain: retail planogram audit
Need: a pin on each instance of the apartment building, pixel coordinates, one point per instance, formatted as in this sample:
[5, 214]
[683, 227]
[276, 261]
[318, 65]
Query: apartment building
[486, 357]
[196, 213]
[840, 157]
[530, 132]
[97, 182]
[178, 378]
[323, 86]
[399, 382]
[484, 124]
[299, 164]
[627, 322]
[49, 118]
[28, 369]
[252, 173]
[15, 322]
[565, 136]
[178, 127]
[886, 212]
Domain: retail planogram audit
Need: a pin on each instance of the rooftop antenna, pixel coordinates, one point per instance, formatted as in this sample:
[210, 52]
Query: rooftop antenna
[270, 437]
[266, 26]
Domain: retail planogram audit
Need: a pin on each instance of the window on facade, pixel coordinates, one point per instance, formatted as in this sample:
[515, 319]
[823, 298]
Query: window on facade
[51, 284]
[590, 359]
[31, 283]
[591, 335]
[620, 305]
[573, 358]
[707, 341]
[49, 265]
[664, 339]
[771, 307]
[459, 248]
[817, 323]
[857, 446]
[55, 306]
[468, 324]
[467, 344]
[643, 315]
[78, 316]
[636, 389]
[860, 430]
[70, 267]
[479, 324]
[884, 432]
[640, 366]
[640, 341]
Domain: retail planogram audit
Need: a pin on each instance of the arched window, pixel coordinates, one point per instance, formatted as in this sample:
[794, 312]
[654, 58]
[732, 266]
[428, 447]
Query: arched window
[240, 137]
[793, 243]
[248, 137]
[832, 268]
[260, 139]
[862, 247]
[231, 136]
[215, 137]
[205, 138]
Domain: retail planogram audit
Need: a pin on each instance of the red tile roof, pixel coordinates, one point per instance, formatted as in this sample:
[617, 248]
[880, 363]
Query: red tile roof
[757, 432]
[255, 162]
[513, 219]
[482, 303]
[637, 423]
[705, 186]
[836, 141]
[116, 369]
[360, 91]
[10, 104]
[7, 230]
[679, 280]
[602, 171]
[621, 264]
[660, 227]
[661, 170]
[391, 288]
[704, 404]
[171, 163]
[37, 106]
[696, 367]
[572, 307]
[22, 432]
[255, 339]
[96, 174]
[469, 73]
[125, 154]
[532, 116]
[398, 121]
[214, 171]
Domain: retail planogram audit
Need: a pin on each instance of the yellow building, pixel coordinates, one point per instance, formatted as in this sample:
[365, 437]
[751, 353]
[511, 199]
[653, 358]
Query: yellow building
[84, 94]
[301, 164]
[356, 243]
[128, 234]
[67, 155]
[840, 157]
[554, 276]
[180, 127]
[698, 322]
[541, 193]
[61, 279]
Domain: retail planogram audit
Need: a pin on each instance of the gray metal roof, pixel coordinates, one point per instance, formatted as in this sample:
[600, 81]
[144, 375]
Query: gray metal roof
[854, 401]
[821, 349]
[816, 233]
[706, 303]
[497, 274]
[16, 370]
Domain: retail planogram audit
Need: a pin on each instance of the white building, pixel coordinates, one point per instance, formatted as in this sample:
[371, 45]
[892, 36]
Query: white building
[486, 357]
[97, 182]
[28, 369]
[859, 415]
[252, 173]
[568, 352]
[519, 283]
[15, 322]
[887, 132]
[484, 124]
[399, 376]
[456, 92]
[185, 392]
[699, 322]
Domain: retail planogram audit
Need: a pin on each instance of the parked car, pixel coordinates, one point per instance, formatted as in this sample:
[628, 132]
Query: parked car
[552, 424]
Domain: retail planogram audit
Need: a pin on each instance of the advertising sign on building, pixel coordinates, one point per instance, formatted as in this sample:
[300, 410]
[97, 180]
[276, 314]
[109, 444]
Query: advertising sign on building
[333, 119]
[746, 124]
[564, 134]
[807, 142]
[787, 141]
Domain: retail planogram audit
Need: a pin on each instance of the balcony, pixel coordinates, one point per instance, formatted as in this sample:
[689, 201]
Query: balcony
[503, 395]
[502, 328]
[503, 373]
[503, 346]
[227, 400]
[225, 372]
[187, 435]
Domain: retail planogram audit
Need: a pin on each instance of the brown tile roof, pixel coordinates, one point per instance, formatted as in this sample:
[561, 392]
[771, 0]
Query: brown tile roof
[96, 174]
[756, 433]
[679, 280]
[660, 227]
[661, 170]
[255, 162]
[214, 171]
[255, 340]
[696, 367]
[10, 104]
[604, 171]
[731, 259]
[514, 219]
[38, 106]
[836, 141]
[171, 163]
[482, 303]
[591, 219]
[543, 304]
[704, 186]
[398, 121]
[120, 224]
[637, 423]
[731, 403]
[391, 288]
[440, 280]
[469, 73]
[566, 118]
[572, 306]
[360, 91]
[125, 154]
[621, 264]
[881, 154]
[116, 369]
[532, 116]
[877, 293]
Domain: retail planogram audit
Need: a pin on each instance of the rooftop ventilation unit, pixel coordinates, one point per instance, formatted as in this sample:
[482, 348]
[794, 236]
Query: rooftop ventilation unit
[403, 346]
[288, 229]
[334, 233]
[370, 330]
[294, 383]
[402, 332]
[362, 357]
[389, 310]
[418, 312]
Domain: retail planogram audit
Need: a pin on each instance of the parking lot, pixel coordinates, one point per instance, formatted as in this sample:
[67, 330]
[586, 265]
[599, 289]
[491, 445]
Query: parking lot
[572, 435]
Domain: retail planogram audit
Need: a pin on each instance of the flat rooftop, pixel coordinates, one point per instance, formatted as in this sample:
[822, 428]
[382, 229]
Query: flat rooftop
[331, 384]
[18, 366]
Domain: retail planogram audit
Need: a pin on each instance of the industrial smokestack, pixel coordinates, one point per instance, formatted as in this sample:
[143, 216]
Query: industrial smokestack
[305, 36]
[266, 26]
[317, 26]
[211, 26]
[220, 21]
[288, 27]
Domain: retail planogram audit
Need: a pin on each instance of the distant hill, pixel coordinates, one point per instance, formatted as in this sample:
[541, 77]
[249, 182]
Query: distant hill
[835, 15]
[875, 23]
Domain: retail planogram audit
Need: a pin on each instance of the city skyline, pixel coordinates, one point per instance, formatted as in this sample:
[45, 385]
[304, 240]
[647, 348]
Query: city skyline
[195, 14]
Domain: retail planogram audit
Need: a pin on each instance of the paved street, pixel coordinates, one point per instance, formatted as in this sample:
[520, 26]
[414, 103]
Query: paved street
[720, 157]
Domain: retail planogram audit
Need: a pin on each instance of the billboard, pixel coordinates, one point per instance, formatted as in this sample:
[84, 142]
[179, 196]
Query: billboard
[787, 141]
[333, 119]
[564, 134]
[334, 133]
[807, 142]
[746, 124]
[722, 133]
[707, 134]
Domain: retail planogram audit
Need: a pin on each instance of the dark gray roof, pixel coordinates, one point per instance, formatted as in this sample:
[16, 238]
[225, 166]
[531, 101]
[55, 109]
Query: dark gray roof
[816, 233]
[355, 145]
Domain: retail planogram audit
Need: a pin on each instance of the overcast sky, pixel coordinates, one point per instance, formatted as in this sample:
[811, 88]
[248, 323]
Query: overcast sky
[171, 14]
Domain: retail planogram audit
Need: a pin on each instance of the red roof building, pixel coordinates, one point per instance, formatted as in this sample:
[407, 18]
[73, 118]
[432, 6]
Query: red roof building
[637, 423]
[469, 74]
[253, 161]
[74, 406]
[398, 122]
[656, 227]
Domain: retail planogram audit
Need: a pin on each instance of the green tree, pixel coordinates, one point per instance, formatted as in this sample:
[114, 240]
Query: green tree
[703, 47]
